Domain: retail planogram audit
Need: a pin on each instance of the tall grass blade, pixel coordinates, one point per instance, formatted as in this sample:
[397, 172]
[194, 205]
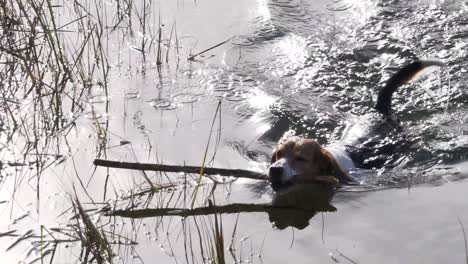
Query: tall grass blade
[218, 110]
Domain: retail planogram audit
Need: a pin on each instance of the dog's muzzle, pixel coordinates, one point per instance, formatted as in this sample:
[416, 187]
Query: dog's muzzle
[280, 172]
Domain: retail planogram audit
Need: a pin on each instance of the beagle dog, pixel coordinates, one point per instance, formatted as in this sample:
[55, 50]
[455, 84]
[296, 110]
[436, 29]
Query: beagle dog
[299, 160]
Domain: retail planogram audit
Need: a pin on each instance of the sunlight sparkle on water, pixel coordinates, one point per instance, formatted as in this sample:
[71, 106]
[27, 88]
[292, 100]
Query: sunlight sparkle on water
[362, 10]
[260, 100]
[294, 49]
[262, 9]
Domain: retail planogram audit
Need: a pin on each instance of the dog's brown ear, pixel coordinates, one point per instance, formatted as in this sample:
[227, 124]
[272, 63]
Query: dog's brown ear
[273, 157]
[330, 167]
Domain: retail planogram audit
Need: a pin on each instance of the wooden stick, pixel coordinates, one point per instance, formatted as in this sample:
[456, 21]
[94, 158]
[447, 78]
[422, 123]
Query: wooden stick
[175, 168]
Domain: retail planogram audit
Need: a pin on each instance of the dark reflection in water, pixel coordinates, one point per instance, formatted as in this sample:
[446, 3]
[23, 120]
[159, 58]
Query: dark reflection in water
[293, 207]
[306, 199]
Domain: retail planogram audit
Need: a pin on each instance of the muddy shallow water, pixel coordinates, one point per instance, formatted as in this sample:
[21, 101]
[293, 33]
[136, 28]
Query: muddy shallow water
[310, 67]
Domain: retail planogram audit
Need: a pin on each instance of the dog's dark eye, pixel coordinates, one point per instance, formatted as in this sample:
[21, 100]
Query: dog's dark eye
[299, 158]
[279, 154]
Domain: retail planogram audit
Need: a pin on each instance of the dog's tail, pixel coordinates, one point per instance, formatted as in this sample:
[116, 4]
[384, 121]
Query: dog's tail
[402, 76]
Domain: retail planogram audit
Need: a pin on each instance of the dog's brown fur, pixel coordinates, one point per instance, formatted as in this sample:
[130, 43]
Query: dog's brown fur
[311, 161]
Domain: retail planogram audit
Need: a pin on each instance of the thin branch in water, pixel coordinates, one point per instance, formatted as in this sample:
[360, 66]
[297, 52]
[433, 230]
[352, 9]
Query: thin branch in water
[346, 257]
[191, 58]
[169, 43]
[464, 239]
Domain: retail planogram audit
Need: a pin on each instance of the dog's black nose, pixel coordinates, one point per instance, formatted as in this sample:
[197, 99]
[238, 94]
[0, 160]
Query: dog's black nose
[275, 172]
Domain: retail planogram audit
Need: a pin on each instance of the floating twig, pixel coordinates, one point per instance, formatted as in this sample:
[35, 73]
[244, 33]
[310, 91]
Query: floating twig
[208, 49]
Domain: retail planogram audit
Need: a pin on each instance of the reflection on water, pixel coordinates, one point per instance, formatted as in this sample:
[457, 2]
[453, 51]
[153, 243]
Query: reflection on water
[291, 208]
[307, 199]
[113, 81]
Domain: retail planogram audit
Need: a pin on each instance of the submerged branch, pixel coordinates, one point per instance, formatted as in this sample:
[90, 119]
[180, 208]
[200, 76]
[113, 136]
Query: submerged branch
[185, 169]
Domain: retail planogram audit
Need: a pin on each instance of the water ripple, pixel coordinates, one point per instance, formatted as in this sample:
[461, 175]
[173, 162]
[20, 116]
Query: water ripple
[162, 104]
[339, 5]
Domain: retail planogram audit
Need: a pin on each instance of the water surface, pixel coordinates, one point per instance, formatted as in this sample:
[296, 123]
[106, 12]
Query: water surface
[310, 67]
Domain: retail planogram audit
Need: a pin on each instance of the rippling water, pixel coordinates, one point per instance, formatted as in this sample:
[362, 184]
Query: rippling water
[307, 67]
[328, 60]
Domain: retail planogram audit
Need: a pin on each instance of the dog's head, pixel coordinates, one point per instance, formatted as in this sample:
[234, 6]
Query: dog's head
[301, 160]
